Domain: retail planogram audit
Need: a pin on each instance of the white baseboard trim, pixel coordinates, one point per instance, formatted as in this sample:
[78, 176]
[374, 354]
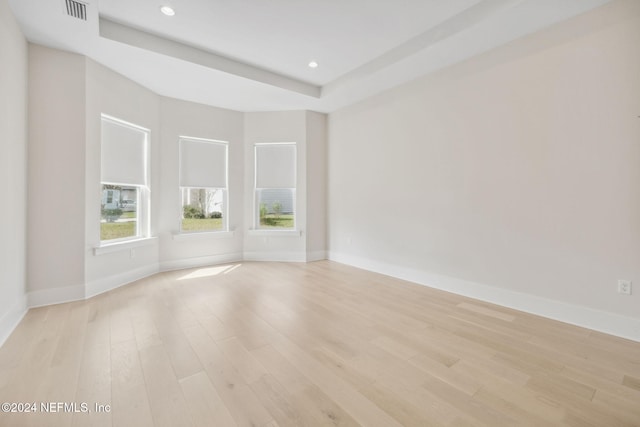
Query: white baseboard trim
[106, 284]
[55, 295]
[96, 287]
[202, 261]
[316, 256]
[602, 321]
[11, 318]
[275, 256]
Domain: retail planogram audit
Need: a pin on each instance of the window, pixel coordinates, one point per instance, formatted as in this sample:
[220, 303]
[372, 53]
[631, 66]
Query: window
[124, 181]
[275, 185]
[203, 185]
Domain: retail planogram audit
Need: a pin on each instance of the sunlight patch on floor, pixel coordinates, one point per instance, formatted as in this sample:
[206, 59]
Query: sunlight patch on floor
[210, 271]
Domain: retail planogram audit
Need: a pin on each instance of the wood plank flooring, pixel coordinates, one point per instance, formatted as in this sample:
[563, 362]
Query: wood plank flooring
[318, 344]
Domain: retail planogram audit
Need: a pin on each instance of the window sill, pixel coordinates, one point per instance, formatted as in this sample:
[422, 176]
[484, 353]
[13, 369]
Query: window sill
[275, 233]
[204, 235]
[123, 246]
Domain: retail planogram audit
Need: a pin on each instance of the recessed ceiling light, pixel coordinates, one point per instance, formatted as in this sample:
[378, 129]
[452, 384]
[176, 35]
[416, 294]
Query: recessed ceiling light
[313, 64]
[167, 10]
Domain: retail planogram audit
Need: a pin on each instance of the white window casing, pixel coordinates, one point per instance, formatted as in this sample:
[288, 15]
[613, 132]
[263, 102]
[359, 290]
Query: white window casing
[124, 163]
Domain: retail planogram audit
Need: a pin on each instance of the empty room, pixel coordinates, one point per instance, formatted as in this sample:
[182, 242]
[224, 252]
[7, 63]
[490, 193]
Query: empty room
[315, 213]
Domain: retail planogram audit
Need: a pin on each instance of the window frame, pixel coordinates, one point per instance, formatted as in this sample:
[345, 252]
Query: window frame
[256, 190]
[225, 190]
[143, 193]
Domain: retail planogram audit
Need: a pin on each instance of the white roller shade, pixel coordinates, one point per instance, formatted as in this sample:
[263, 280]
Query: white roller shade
[276, 166]
[203, 164]
[123, 153]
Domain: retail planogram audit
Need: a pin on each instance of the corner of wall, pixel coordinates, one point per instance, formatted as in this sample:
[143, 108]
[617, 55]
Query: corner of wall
[10, 320]
[14, 80]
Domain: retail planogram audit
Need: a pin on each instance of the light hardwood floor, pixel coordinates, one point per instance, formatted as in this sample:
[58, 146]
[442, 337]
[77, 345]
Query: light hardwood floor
[319, 344]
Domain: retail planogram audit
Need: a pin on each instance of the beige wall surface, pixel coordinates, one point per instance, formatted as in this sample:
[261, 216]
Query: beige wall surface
[112, 94]
[308, 130]
[181, 118]
[56, 169]
[281, 126]
[316, 185]
[69, 94]
[518, 169]
[13, 169]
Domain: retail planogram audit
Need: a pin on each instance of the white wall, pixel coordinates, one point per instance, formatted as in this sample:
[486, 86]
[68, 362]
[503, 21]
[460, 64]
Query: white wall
[308, 130]
[180, 118]
[281, 126]
[13, 170]
[112, 94]
[56, 174]
[513, 177]
[316, 164]
[69, 94]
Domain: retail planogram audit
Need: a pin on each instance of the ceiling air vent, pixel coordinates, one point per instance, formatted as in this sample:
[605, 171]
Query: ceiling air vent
[76, 9]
